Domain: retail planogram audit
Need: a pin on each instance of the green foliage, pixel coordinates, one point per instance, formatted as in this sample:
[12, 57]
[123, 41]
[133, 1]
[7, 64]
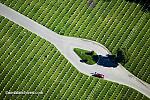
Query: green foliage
[84, 56]
[122, 56]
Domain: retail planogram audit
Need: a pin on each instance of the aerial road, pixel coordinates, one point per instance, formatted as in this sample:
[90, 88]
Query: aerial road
[66, 45]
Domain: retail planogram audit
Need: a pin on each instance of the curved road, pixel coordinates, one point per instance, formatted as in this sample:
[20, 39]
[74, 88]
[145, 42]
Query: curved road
[66, 44]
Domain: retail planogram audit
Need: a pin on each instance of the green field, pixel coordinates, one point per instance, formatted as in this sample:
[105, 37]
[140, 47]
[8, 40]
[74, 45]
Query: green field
[29, 63]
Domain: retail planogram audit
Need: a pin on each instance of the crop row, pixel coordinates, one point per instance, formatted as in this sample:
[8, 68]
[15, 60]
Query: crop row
[114, 24]
[27, 66]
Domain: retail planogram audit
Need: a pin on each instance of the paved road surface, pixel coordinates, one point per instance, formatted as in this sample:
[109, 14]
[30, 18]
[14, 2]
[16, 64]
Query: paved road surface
[66, 44]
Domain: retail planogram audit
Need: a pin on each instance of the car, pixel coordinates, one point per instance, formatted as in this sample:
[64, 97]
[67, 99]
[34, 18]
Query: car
[98, 75]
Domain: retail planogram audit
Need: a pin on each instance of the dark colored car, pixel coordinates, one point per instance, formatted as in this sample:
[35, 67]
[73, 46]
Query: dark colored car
[98, 75]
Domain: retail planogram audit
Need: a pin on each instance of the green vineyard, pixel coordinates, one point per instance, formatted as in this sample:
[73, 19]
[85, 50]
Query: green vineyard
[30, 63]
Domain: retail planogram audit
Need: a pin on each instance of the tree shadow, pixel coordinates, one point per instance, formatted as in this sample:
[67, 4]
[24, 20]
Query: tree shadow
[144, 3]
[109, 60]
[106, 61]
[112, 60]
